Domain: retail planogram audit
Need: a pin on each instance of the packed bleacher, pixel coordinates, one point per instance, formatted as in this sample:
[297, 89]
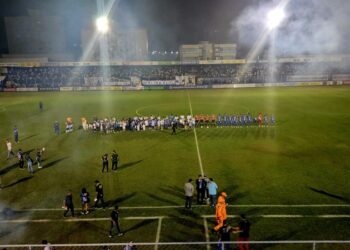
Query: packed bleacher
[200, 74]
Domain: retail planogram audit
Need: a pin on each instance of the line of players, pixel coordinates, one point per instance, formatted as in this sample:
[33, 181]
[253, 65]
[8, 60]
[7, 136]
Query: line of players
[139, 123]
[245, 120]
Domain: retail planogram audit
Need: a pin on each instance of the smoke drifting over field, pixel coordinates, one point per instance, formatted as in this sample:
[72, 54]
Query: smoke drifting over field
[311, 26]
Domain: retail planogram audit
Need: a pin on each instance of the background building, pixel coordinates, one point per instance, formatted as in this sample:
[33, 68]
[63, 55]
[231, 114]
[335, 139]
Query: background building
[120, 44]
[207, 51]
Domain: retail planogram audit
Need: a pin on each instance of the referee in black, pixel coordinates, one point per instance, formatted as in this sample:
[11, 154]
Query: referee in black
[115, 222]
[99, 194]
[104, 162]
[115, 160]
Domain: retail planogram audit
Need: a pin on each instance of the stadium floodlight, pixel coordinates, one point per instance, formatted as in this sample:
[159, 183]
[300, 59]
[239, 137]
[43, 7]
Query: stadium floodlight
[102, 24]
[275, 17]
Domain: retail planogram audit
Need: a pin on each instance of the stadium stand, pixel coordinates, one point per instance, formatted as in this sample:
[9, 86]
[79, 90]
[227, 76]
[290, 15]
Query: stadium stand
[65, 75]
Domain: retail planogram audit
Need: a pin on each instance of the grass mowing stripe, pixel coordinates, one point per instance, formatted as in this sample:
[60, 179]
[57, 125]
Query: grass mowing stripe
[195, 137]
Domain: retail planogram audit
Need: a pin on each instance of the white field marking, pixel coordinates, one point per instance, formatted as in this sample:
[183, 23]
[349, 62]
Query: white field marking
[237, 206]
[195, 137]
[324, 216]
[207, 239]
[159, 228]
[79, 219]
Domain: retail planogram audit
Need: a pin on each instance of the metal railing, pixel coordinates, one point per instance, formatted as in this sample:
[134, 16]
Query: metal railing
[308, 244]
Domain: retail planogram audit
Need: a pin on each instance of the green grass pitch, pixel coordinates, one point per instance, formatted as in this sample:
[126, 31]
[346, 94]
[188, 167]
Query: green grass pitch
[303, 160]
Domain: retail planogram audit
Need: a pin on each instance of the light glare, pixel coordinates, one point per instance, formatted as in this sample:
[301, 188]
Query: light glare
[275, 18]
[102, 24]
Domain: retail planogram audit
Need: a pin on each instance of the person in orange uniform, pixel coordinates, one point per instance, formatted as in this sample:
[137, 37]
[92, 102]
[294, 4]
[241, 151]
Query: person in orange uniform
[220, 213]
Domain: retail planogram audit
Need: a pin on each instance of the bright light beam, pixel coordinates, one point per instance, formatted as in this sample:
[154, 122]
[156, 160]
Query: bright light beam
[275, 17]
[102, 24]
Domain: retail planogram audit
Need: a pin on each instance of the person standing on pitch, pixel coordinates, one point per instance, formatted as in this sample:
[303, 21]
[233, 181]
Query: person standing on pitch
[104, 162]
[115, 160]
[85, 200]
[173, 127]
[188, 194]
[15, 134]
[29, 163]
[56, 127]
[41, 106]
[115, 222]
[243, 229]
[99, 194]
[212, 191]
[38, 156]
[68, 204]
[200, 187]
[9, 149]
[220, 211]
[20, 159]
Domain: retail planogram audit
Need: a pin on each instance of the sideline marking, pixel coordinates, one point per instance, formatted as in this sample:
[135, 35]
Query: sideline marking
[195, 137]
[207, 238]
[324, 216]
[199, 206]
[160, 218]
[159, 228]
[79, 219]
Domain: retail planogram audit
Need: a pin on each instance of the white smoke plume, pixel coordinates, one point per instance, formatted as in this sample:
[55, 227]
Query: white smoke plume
[311, 26]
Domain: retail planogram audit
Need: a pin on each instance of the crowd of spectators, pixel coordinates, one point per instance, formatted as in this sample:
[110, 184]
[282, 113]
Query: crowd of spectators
[53, 77]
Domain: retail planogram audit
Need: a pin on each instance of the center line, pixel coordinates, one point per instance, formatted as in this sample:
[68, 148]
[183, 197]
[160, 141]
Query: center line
[195, 137]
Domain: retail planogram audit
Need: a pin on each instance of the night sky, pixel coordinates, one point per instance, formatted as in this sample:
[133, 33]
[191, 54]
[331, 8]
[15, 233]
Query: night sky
[170, 23]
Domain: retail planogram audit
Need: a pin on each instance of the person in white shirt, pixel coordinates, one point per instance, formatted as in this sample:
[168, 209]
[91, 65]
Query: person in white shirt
[9, 149]
[188, 188]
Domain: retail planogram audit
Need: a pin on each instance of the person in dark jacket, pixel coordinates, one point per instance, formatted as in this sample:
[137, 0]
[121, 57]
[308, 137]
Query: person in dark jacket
[68, 204]
[115, 160]
[115, 222]
[104, 162]
[99, 194]
[201, 186]
[243, 228]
